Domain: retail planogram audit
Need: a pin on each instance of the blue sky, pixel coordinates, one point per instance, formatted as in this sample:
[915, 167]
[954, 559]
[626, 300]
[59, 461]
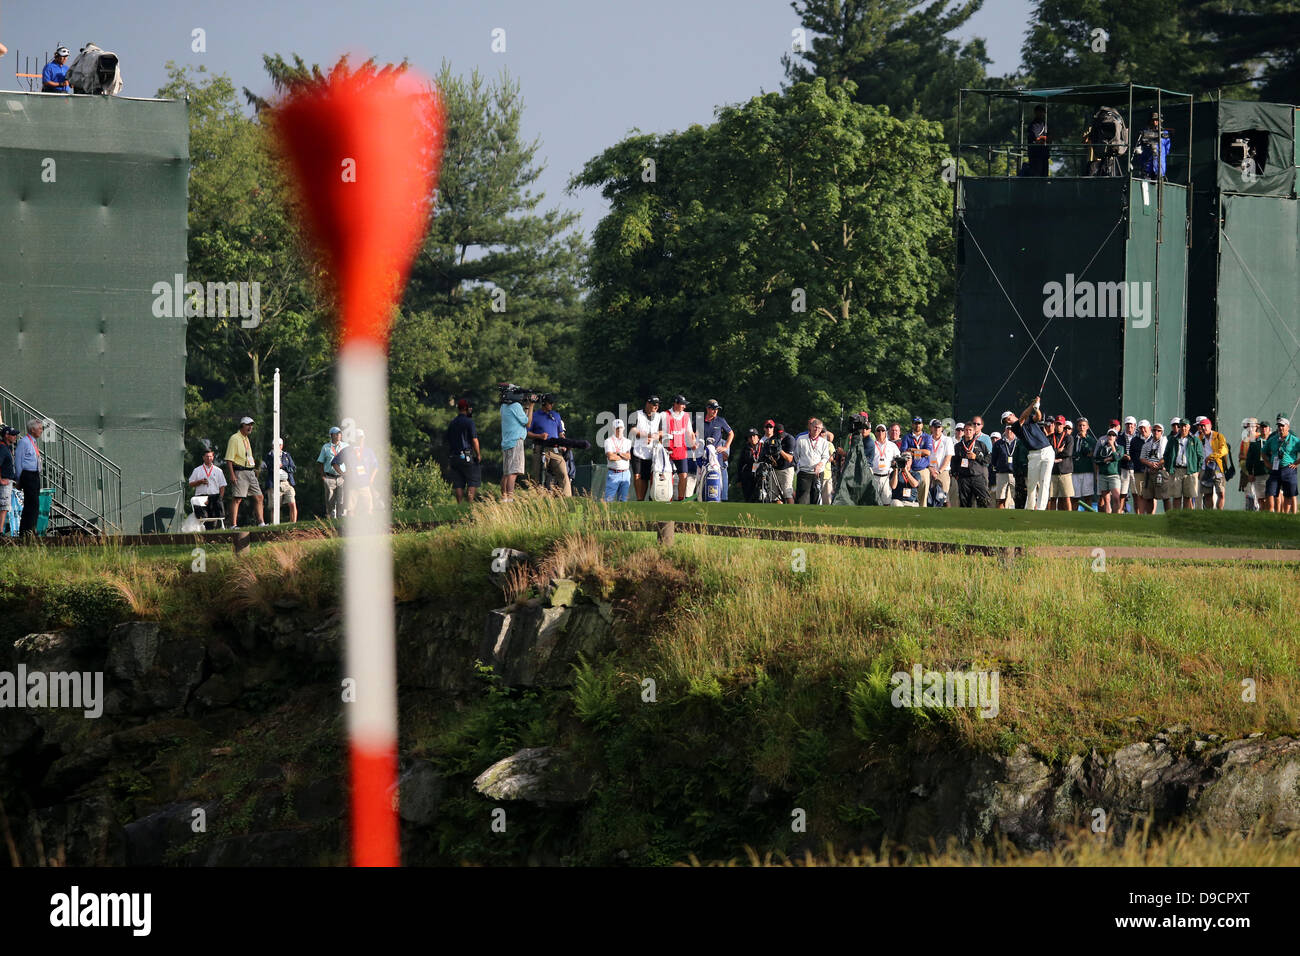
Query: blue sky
[591, 70]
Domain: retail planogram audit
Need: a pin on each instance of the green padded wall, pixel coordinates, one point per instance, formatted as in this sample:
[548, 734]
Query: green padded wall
[93, 196]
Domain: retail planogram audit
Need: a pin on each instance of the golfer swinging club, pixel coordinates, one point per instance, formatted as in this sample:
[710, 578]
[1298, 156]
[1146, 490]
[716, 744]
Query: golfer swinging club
[1041, 454]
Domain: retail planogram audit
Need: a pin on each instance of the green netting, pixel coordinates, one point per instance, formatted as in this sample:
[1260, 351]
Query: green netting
[1153, 345]
[1014, 236]
[92, 215]
[1258, 341]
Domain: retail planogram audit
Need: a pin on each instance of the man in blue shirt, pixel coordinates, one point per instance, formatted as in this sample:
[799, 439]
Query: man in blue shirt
[8, 473]
[921, 446]
[27, 462]
[54, 78]
[464, 453]
[550, 464]
[514, 428]
[716, 427]
[359, 466]
[1152, 152]
[284, 474]
[334, 498]
[1041, 454]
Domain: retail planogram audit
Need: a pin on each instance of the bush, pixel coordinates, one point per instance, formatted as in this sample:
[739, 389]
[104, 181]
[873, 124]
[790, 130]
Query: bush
[419, 484]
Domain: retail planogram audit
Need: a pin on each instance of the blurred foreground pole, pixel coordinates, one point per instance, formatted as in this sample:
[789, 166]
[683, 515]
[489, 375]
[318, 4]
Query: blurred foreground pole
[364, 149]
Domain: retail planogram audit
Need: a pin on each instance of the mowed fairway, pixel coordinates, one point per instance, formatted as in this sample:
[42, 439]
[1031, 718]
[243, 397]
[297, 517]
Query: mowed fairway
[1183, 529]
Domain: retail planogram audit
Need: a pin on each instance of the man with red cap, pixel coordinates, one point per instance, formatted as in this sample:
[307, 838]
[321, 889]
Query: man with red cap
[1063, 467]
[1214, 468]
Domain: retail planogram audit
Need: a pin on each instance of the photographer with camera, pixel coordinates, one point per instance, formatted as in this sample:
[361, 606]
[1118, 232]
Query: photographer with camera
[550, 463]
[516, 411]
[466, 457]
[1152, 152]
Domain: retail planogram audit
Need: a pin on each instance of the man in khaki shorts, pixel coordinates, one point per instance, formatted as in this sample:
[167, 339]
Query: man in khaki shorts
[241, 468]
[1183, 455]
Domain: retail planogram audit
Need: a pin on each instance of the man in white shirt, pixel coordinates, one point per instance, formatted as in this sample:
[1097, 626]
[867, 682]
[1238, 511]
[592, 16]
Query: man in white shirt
[618, 452]
[883, 475]
[941, 460]
[812, 452]
[648, 428]
[208, 479]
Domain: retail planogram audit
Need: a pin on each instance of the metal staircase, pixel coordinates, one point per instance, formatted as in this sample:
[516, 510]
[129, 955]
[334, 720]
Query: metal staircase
[87, 486]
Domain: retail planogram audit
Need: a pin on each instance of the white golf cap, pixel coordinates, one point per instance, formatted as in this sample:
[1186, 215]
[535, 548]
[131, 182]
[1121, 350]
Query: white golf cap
[1284, 421]
[1144, 424]
[959, 426]
[1007, 416]
[997, 435]
[618, 423]
[245, 421]
[1130, 420]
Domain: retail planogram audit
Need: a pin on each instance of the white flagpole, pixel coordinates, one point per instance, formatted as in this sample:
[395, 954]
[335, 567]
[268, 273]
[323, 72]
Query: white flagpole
[277, 444]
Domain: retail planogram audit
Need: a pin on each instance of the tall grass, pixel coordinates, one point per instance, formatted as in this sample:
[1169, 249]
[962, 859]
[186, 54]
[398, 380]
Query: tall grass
[1186, 846]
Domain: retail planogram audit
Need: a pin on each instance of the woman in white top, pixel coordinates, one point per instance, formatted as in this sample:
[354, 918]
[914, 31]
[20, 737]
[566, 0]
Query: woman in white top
[618, 451]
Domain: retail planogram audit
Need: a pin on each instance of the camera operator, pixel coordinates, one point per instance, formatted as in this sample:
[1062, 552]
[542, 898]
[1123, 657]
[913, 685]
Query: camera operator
[906, 482]
[551, 464]
[516, 411]
[1153, 150]
[466, 456]
[782, 445]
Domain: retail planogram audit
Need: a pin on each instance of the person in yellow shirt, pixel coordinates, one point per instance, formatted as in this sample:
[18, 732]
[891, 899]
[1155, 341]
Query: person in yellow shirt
[241, 467]
[1214, 480]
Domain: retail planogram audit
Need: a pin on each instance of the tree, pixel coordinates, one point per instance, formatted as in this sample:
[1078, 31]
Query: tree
[494, 291]
[782, 256]
[240, 231]
[895, 55]
[1258, 47]
[1193, 46]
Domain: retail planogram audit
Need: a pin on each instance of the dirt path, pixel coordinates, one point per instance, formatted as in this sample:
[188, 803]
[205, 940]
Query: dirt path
[1171, 554]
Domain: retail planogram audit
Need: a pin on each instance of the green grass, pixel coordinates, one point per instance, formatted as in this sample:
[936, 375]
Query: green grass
[1239, 529]
[768, 658]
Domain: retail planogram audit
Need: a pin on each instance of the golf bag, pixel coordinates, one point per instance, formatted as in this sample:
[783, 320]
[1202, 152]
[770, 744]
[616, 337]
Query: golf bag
[710, 474]
[661, 467]
[95, 71]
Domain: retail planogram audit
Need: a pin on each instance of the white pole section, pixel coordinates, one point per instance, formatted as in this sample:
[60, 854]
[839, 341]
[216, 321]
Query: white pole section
[278, 445]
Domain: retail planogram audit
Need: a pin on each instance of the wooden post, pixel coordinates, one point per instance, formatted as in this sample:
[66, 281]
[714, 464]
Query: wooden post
[243, 541]
[666, 530]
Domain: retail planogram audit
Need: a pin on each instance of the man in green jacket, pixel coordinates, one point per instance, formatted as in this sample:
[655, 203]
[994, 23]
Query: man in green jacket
[1183, 457]
[1282, 453]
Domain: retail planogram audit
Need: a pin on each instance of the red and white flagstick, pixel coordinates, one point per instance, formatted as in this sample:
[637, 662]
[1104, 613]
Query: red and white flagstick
[365, 149]
[368, 620]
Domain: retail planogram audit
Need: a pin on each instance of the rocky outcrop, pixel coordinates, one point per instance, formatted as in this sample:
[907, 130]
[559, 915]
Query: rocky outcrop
[1233, 786]
[541, 775]
[537, 644]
